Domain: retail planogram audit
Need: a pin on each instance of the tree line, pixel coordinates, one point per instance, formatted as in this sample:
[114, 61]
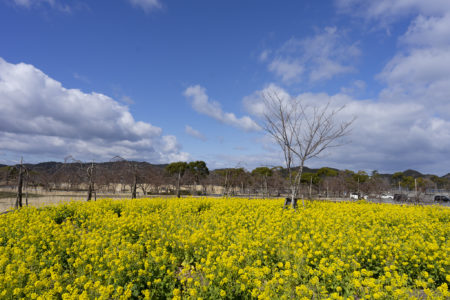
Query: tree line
[140, 179]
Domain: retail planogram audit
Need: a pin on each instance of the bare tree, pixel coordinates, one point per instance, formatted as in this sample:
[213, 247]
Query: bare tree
[302, 132]
[90, 171]
[132, 171]
[77, 168]
[22, 171]
[263, 173]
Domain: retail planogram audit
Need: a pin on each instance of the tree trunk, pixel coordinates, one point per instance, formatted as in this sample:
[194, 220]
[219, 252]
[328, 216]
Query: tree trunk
[133, 189]
[226, 184]
[178, 184]
[297, 186]
[89, 196]
[144, 191]
[26, 189]
[265, 187]
[310, 188]
[19, 187]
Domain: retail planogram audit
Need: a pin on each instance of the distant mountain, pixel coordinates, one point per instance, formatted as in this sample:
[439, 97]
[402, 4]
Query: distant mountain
[52, 167]
[412, 173]
[45, 167]
[306, 169]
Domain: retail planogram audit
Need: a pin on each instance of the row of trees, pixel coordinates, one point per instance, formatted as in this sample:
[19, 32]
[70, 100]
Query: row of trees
[141, 179]
[420, 184]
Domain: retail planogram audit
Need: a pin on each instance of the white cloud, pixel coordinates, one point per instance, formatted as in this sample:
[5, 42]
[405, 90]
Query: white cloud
[288, 69]
[201, 103]
[420, 71]
[54, 4]
[81, 78]
[254, 103]
[388, 10]
[386, 136]
[26, 3]
[408, 125]
[40, 116]
[264, 55]
[146, 5]
[355, 87]
[321, 57]
[428, 31]
[127, 99]
[194, 133]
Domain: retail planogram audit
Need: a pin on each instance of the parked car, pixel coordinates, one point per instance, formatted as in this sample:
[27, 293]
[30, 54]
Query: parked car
[357, 196]
[441, 198]
[400, 197]
[354, 196]
[387, 197]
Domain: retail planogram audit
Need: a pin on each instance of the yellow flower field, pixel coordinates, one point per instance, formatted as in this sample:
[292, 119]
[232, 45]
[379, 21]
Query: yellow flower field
[211, 248]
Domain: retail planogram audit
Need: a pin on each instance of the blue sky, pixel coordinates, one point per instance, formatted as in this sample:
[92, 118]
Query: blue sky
[161, 80]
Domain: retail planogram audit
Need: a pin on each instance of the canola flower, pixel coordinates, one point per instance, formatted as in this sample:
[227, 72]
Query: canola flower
[209, 248]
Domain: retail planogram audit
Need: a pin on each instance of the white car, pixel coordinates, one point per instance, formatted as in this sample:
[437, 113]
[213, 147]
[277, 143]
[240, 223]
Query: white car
[387, 197]
[354, 196]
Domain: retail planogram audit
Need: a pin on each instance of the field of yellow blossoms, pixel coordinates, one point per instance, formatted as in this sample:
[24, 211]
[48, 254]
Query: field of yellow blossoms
[209, 248]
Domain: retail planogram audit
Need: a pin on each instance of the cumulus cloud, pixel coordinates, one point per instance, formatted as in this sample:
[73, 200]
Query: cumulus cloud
[420, 71]
[254, 103]
[321, 57]
[428, 31]
[39, 115]
[421, 75]
[146, 5]
[386, 136]
[194, 133]
[201, 103]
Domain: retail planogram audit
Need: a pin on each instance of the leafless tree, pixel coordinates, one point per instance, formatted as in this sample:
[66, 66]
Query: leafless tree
[90, 171]
[302, 132]
[277, 182]
[23, 172]
[78, 168]
[132, 172]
